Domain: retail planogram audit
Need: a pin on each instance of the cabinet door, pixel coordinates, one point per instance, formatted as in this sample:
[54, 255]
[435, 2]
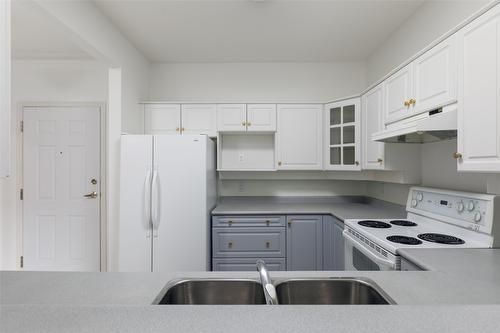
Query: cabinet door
[479, 94]
[199, 119]
[397, 90]
[231, 117]
[298, 139]
[304, 246]
[343, 135]
[435, 77]
[333, 244]
[372, 114]
[162, 118]
[261, 117]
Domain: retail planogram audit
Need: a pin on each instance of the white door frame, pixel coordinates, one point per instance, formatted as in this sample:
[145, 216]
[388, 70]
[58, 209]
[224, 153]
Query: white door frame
[20, 175]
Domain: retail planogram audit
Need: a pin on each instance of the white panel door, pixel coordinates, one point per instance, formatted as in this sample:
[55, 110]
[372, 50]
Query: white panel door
[231, 117]
[199, 119]
[435, 77]
[398, 90]
[299, 137]
[162, 118]
[180, 224]
[372, 111]
[134, 228]
[261, 117]
[479, 94]
[61, 164]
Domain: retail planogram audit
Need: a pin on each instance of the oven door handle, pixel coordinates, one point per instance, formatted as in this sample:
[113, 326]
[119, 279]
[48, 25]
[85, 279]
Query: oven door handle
[368, 253]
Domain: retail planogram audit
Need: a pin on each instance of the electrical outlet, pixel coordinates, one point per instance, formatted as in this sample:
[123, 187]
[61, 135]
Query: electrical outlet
[241, 187]
[241, 157]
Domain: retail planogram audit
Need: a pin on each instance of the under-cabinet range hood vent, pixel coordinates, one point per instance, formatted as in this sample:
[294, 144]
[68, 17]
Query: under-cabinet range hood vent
[432, 126]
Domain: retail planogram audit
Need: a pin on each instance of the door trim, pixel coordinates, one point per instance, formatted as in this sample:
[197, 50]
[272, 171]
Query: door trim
[102, 170]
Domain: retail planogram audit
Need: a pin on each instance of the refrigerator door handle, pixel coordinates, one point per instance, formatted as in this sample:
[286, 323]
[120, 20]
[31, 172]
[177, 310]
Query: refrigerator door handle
[147, 203]
[155, 210]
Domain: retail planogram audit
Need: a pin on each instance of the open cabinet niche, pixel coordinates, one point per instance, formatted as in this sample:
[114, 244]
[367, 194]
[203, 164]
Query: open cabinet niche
[246, 152]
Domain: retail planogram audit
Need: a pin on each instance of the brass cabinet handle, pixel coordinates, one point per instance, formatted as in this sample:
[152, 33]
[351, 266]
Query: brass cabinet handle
[289, 223]
[457, 155]
[230, 244]
[379, 160]
[406, 103]
[279, 162]
[178, 129]
[268, 222]
[243, 124]
[182, 129]
[268, 244]
[230, 222]
[249, 124]
[91, 195]
[413, 101]
[357, 162]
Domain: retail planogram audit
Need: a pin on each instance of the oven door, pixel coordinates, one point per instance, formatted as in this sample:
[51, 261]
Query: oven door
[360, 258]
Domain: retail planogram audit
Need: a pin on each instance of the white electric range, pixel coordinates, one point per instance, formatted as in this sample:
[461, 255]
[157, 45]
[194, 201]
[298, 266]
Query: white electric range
[435, 219]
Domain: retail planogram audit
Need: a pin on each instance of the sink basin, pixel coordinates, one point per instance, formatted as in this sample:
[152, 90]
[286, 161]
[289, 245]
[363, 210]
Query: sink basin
[331, 291]
[212, 291]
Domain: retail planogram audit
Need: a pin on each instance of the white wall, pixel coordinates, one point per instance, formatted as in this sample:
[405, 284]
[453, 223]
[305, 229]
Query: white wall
[42, 81]
[256, 82]
[429, 22]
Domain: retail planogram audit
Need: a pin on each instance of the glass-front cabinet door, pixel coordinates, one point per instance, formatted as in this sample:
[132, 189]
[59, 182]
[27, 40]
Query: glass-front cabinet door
[343, 135]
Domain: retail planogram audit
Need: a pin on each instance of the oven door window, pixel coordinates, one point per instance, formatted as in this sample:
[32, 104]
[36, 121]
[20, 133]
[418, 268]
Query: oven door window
[362, 262]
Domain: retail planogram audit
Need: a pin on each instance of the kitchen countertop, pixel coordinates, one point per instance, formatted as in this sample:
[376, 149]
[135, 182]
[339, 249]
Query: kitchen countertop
[460, 293]
[342, 207]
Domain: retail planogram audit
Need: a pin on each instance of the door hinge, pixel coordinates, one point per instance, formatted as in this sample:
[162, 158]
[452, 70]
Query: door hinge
[21, 126]
[21, 259]
[21, 194]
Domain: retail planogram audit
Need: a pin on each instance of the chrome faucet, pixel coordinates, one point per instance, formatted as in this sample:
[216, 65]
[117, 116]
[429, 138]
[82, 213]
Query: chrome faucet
[267, 286]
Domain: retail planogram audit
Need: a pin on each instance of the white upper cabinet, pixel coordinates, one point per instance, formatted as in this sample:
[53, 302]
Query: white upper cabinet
[299, 136]
[261, 117]
[427, 83]
[479, 94]
[199, 119]
[435, 77]
[398, 92]
[162, 118]
[231, 117]
[342, 125]
[372, 112]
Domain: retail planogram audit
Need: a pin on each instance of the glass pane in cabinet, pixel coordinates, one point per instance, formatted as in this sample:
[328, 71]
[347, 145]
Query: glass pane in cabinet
[335, 155]
[348, 155]
[349, 134]
[349, 114]
[335, 136]
[335, 116]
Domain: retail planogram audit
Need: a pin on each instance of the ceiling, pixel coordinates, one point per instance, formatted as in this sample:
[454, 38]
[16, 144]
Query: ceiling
[37, 35]
[258, 30]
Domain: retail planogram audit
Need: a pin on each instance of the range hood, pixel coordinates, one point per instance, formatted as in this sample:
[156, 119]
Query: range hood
[432, 126]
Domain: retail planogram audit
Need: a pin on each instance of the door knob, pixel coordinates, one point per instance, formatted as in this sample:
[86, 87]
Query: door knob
[91, 195]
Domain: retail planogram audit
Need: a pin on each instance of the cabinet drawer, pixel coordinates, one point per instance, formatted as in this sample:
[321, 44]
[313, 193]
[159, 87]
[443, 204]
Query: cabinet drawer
[247, 264]
[248, 221]
[248, 242]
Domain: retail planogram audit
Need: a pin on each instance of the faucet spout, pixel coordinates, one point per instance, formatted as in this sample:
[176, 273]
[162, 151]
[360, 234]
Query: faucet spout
[267, 286]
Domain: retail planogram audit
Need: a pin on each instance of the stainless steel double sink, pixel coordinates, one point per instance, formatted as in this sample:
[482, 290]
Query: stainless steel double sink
[291, 291]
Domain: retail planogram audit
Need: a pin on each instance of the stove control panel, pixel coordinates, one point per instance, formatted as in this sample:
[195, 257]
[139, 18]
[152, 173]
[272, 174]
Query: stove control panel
[470, 210]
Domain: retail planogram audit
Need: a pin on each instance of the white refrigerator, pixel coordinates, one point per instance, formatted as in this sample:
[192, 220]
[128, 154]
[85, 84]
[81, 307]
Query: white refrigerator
[167, 191]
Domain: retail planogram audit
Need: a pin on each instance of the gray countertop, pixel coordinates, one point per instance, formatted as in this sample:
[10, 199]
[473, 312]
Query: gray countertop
[460, 293]
[344, 207]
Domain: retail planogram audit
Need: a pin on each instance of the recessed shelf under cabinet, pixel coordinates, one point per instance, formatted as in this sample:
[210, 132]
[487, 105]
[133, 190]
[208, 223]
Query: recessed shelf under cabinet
[246, 152]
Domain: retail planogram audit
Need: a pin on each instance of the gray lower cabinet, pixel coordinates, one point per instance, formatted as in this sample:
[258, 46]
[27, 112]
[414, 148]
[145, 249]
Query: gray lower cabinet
[304, 244]
[239, 241]
[247, 264]
[333, 244]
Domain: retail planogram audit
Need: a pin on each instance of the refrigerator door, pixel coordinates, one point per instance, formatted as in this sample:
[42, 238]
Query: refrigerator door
[180, 218]
[135, 228]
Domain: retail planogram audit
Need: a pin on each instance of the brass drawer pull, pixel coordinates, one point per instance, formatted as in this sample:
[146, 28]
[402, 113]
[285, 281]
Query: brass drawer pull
[457, 155]
[230, 244]
[230, 222]
[268, 245]
[268, 222]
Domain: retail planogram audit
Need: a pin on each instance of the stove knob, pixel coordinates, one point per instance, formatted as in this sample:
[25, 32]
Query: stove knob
[477, 217]
[471, 206]
[460, 207]
[414, 203]
[420, 196]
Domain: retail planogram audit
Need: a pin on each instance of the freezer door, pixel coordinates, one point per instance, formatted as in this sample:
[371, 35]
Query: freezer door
[180, 218]
[135, 231]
